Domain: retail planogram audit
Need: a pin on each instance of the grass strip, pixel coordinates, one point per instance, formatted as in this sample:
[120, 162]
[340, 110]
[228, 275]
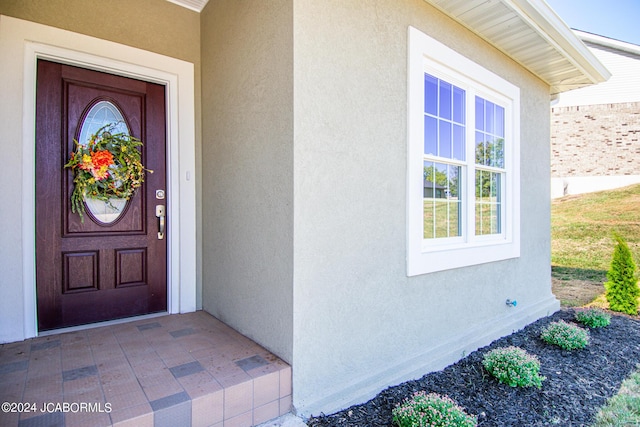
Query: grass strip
[623, 409]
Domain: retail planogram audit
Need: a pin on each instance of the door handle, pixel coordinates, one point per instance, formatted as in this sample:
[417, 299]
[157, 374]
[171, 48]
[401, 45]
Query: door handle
[161, 221]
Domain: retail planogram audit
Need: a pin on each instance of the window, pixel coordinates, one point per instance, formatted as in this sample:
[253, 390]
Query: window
[463, 161]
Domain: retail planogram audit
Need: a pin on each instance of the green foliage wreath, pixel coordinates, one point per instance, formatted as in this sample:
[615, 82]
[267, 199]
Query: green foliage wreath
[105, 167]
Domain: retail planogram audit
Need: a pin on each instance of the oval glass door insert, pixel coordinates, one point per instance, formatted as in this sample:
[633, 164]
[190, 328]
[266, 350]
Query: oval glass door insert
[101, 114]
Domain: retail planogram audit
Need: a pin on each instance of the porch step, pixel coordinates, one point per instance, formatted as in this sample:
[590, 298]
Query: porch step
[175, 370]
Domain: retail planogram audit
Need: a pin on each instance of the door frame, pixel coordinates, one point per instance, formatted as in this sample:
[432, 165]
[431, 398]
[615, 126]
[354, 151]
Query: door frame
[43, 42]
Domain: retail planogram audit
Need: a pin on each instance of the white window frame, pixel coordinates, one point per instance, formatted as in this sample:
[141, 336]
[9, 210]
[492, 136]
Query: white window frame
[427, 55]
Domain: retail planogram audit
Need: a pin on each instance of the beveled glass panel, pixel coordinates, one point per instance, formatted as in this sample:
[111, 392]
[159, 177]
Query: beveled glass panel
[105, 212]
[101, 114]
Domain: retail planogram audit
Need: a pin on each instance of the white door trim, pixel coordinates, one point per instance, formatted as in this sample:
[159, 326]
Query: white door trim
[43, 42]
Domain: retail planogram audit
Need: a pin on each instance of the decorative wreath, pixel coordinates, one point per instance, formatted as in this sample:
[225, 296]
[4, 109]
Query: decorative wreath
[108, 166]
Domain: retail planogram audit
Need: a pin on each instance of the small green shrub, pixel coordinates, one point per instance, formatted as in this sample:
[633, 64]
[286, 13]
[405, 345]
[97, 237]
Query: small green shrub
[422, 409]
[514, 366]
[593, 318]
[565, 335]
[622, 290]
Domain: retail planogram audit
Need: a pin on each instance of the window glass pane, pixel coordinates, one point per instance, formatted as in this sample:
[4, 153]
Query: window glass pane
[479, 113]
[445, 100]
[488, 202]
[481, 157]
[490, 142]
[499, 121]
[479, 184]
[429, 214]
[498, 153]
[444, 143]
[430, 94]
[489, 124]
[430, 135]
[458, 142]
[442, 201]
[458, 105]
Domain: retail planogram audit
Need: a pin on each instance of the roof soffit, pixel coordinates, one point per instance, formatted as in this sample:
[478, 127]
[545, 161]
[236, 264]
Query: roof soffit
[531, 33]
[195, 5]
[528, 31]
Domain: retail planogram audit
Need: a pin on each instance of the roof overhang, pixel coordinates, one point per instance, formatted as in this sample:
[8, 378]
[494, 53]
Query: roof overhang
[531, 33]
[528, 31]
[610, 43]
[195, 5]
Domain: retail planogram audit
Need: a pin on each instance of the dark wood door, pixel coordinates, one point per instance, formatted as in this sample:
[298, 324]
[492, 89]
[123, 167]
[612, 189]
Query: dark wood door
[95, 270]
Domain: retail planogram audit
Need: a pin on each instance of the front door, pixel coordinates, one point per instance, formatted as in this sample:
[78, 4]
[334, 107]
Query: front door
[112, 263]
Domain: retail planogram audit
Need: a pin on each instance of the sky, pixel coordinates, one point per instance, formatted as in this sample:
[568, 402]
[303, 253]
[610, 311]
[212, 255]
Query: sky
[616, 19]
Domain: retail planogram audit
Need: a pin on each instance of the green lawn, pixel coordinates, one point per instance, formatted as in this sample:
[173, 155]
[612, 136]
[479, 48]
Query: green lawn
[582, 228]
[623, 409]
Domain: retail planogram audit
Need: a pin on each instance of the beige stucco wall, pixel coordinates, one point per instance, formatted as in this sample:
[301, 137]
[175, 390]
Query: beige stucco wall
[153, 25]
[360, 323]
[247, 96]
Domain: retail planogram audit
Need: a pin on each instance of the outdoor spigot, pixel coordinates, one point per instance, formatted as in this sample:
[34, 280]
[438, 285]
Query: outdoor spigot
[512, 303]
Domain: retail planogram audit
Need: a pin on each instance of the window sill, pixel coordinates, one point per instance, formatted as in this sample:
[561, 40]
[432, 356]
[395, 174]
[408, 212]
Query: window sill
[432, 259]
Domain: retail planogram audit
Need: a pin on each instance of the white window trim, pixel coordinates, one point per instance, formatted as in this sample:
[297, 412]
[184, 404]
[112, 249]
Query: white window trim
[426, 54]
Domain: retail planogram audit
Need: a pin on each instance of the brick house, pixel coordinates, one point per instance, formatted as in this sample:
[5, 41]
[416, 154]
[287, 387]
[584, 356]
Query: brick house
[595, 131]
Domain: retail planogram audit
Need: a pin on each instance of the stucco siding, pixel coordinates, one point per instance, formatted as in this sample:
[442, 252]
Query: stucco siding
[360, 322]
[154, 25]
[247, 72]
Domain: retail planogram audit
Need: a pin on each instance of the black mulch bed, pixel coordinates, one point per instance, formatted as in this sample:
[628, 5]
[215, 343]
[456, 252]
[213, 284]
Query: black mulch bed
[577, 385]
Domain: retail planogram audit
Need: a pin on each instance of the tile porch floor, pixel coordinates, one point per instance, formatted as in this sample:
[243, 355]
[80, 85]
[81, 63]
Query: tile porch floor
[174, 370]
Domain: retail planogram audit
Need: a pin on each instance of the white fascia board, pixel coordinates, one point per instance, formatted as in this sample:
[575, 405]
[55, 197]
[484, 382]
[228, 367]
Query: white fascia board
[540, 16]
[608, 42]
[195, 5]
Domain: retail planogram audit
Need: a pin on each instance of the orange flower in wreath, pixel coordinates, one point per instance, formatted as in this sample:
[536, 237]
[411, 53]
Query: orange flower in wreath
[97, 162]
[101, 161]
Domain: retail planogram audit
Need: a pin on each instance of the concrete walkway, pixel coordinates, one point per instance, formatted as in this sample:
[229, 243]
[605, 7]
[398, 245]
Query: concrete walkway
[288, 420]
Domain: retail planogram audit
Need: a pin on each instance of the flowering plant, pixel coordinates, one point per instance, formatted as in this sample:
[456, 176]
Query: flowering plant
[431, 409]
[565, 335]
[513, 366]
[108, 166]
[593, 317]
